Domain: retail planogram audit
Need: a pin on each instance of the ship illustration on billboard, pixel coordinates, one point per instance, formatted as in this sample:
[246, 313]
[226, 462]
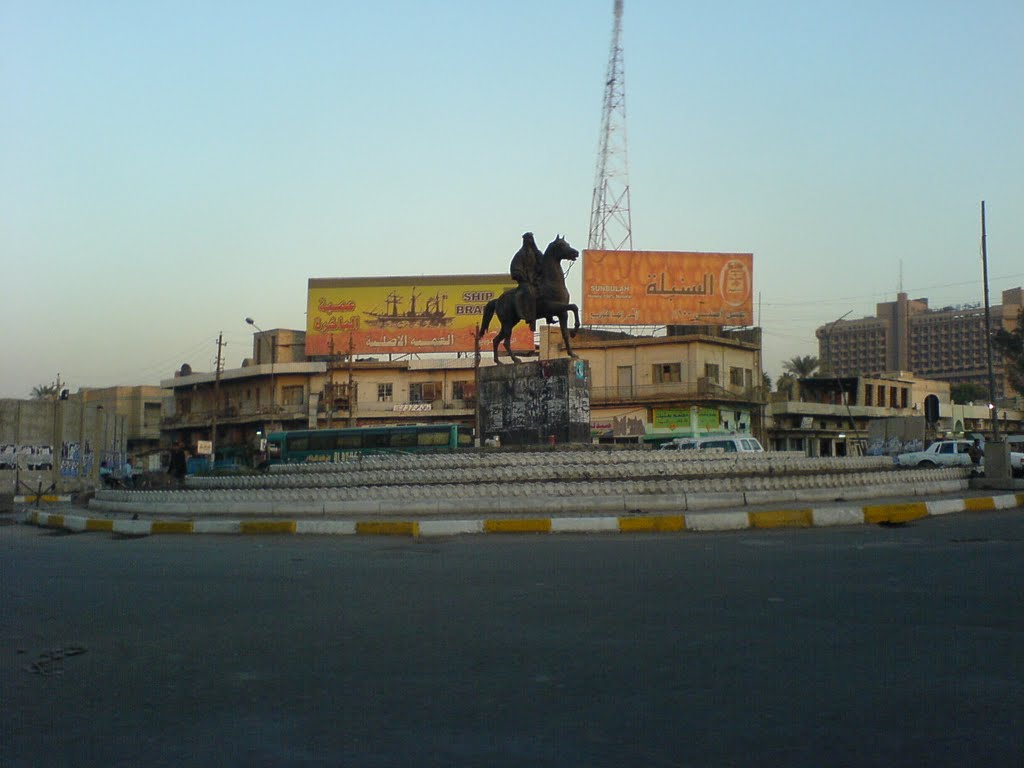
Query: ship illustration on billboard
[432, 315]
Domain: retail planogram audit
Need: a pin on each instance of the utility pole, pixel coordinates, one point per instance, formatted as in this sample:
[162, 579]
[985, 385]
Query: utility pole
[216, 403]
[351, 386]
[330, 383]
[56, 450]
[988, 332]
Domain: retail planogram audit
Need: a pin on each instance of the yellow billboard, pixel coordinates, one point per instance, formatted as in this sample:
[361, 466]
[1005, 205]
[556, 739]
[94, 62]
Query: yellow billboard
[403, 315]
[667, 288]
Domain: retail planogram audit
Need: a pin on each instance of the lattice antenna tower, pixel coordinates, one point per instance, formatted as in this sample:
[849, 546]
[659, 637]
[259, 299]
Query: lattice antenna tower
[611, 227]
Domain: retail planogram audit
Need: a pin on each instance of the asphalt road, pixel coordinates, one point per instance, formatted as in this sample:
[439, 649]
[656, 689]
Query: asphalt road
[859, 646]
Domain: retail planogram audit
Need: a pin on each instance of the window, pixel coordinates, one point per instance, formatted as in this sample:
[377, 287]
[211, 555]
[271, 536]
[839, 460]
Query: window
[184, 406]
[868, 391]
[711, 372]
[292, 395]
[463, 390]
[424, 392]
[903, 397]
[151, 414]
[665, 373]
[736, 376]
[435, 437]
[385, 393]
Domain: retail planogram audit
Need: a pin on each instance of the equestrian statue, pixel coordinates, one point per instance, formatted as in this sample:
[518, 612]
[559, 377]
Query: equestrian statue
[541, 292]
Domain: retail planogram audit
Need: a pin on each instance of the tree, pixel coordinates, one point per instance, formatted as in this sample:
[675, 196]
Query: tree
[766, 381]
[968, 392]
[45, 392]
[786, 383]
[1011, 346]
[801, 367]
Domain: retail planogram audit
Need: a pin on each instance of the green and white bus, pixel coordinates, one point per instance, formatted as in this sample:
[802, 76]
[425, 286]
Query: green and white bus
[323, 445]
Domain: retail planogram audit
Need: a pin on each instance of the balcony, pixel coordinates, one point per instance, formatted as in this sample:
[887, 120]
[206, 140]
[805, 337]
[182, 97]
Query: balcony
[704, 390]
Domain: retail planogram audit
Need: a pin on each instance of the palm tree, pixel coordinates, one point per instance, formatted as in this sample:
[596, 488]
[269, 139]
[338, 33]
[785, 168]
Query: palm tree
[801, 367]
[45, 392]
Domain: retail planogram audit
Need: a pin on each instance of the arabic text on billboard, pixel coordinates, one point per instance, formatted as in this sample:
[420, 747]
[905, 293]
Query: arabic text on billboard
[403, 315]
[667, 288]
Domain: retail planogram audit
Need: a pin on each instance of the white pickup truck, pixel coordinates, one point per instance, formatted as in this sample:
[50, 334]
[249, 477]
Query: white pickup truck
[942, 453]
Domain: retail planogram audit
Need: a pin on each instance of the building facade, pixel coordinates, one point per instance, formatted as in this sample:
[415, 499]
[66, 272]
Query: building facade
[642, 387]
[947, 344]
[695, 381]
[840, 416]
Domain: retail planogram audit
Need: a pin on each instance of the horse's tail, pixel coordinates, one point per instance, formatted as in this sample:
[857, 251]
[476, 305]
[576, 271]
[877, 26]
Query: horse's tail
[488, 314]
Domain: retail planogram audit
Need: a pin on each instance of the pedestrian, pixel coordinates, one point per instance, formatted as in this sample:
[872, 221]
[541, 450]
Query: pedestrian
[128, 474]
[975, 452]
[179, 464]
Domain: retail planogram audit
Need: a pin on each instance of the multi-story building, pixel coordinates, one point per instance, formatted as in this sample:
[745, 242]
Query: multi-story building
[694, 381]
[139, 412]
[947, 344]
[833, 416]
[640, 387]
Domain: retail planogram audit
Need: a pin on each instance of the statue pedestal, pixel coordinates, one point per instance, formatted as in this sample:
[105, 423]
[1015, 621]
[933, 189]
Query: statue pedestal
[535, 403]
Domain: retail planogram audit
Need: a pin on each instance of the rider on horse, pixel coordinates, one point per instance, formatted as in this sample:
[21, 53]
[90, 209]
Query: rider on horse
[525, 270]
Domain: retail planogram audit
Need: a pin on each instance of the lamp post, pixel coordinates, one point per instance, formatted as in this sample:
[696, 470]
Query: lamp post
[273, 354]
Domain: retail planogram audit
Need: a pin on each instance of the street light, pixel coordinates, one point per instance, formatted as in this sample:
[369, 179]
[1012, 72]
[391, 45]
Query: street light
[273, 354]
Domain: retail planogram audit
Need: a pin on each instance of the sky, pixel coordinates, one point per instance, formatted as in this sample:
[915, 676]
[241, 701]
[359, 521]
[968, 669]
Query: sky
[168, 169]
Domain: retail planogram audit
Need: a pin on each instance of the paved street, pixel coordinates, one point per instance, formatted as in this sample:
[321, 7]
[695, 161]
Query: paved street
[861, 646]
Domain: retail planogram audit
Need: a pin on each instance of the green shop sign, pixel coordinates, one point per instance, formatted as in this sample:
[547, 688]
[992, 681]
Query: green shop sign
[679, 418]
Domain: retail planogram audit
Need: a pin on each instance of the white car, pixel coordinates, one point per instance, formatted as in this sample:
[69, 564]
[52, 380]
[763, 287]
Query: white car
[942, 453]
[726, 443]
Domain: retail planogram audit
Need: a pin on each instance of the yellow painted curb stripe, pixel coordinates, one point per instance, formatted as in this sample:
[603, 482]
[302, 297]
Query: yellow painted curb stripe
[92, 524]
[655, 524]
[55, 521]
[537, 525]
[268, 526]
[979, 504]
[397, 528]
[171, 526]
[895, 513]
[782, 518]
[1020, 499]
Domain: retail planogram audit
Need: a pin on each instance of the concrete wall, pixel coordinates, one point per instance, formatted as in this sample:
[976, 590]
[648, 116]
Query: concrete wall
[57, 445]
[529, 403]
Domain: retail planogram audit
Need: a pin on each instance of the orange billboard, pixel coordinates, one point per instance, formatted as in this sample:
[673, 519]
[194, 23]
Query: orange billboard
[403, 315]
[667, 288]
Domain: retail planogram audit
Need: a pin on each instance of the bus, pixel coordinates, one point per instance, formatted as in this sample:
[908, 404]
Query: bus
[323, 445]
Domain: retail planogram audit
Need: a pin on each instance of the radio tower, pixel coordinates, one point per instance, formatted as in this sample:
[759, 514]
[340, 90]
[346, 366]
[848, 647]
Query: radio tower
[611, 228]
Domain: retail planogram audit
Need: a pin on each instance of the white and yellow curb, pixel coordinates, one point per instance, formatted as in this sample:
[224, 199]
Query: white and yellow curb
[802, 517]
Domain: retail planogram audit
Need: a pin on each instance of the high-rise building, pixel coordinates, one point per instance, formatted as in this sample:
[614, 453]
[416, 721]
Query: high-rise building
[946, 344]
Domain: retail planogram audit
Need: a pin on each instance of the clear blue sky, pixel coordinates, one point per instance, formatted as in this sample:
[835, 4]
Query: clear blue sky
[167, 169]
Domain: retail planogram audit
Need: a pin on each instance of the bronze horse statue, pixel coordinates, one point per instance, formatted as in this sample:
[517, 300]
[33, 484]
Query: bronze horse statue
[552, 300]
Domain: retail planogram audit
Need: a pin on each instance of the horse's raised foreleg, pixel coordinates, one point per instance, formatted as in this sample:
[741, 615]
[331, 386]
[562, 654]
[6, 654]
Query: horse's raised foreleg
[576, 315]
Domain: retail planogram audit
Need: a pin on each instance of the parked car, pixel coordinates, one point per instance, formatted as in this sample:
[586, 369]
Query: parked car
[731, 444]
[679, 444]
[942, 453]
[726, 443]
